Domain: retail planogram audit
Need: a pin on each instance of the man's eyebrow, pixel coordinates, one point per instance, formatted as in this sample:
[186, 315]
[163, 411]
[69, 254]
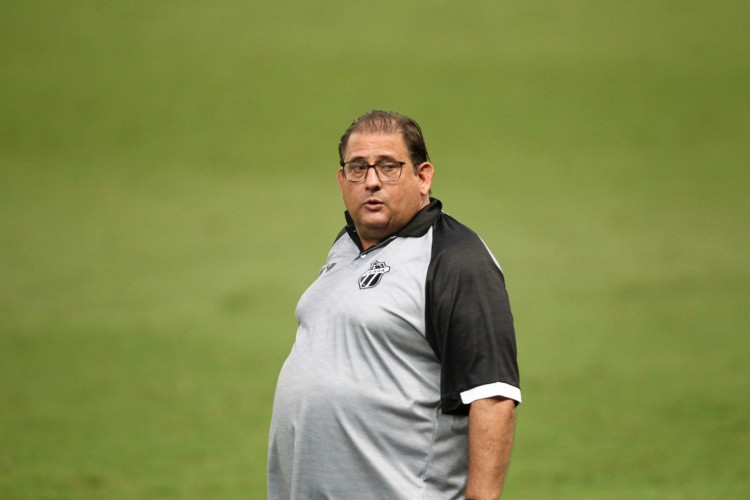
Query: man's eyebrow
[378, 158]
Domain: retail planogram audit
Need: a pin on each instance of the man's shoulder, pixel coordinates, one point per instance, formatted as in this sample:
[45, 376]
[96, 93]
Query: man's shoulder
[450, 233]
[338, 236]
[459, 246]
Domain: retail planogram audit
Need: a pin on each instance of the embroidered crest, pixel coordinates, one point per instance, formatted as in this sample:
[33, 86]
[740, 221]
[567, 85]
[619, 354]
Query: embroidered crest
[372, 276]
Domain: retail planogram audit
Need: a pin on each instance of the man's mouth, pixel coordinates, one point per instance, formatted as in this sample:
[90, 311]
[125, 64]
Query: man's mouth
[373, 203]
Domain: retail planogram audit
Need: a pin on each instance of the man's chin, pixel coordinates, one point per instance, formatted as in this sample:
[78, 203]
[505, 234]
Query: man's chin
[374, 220]
[374, 228]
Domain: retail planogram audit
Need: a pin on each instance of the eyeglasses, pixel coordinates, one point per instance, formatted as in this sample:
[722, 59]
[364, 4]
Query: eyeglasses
[386, 170]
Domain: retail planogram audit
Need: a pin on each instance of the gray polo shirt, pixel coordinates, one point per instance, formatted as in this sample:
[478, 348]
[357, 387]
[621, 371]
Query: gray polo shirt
[393, 345]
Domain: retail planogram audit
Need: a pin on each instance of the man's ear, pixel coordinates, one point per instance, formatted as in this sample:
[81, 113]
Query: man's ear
[425, 171]
[340, 177]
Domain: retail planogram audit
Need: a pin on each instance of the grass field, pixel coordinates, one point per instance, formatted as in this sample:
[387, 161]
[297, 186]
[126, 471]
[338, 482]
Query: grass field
[167, 192]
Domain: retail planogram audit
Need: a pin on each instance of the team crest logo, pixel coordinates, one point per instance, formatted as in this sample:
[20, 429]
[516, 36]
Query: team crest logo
[372, 276]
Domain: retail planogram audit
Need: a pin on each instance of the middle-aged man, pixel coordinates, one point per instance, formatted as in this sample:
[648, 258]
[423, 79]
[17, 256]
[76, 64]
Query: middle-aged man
[402, 382]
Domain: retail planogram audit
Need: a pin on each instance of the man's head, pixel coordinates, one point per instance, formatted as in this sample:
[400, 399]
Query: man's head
[389, 195]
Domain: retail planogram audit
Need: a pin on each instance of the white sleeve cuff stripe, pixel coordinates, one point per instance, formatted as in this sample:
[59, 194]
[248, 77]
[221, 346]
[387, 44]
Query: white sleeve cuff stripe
[491, 390]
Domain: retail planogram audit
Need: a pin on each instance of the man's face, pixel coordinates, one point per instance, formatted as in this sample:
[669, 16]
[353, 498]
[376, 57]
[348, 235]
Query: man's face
[379, 208]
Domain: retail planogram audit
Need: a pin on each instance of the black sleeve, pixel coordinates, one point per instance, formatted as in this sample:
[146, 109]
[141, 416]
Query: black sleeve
[468, 317]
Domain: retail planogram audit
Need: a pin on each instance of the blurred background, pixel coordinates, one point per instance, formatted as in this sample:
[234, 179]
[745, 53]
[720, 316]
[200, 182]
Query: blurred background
[167, 192]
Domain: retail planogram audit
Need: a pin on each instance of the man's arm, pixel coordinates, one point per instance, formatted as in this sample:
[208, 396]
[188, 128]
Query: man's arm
[491, 426]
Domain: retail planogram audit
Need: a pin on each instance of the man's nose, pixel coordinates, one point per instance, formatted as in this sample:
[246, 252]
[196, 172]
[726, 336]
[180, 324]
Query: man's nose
[371, 179]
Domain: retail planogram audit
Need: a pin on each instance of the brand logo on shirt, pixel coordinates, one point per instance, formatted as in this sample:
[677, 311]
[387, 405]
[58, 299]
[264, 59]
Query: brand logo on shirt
[372, 276]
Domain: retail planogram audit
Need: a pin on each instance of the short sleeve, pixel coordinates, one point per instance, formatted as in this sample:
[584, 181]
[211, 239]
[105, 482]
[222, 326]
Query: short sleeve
[468, 317]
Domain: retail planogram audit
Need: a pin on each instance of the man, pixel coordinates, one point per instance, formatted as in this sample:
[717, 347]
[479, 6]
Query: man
[402, 382]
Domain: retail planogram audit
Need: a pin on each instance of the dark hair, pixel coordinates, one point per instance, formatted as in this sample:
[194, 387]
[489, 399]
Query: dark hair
[389, 122]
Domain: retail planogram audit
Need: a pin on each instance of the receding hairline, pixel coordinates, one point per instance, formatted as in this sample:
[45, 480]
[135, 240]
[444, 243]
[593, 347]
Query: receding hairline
[388, 123]
[379, 124]
[374, 124]
[377, 133]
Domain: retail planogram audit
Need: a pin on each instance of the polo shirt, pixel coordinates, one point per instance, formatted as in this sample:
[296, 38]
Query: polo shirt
[394, 343]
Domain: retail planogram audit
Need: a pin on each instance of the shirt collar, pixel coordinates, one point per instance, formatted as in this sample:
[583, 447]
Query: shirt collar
[416, 227]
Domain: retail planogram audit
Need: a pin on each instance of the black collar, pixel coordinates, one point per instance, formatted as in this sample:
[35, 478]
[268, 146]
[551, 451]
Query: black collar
[416, 227]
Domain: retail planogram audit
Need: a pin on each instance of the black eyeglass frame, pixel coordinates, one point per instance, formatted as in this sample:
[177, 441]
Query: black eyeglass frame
[375, 166]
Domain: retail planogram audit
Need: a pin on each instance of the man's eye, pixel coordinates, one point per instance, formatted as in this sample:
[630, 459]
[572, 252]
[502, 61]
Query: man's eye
[388, 166]
[358, 167]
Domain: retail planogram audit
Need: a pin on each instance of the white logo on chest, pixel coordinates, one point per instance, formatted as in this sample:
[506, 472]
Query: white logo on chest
[372, 276]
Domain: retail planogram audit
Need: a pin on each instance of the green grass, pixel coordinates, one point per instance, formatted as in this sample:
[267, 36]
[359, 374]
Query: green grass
[167, 192]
